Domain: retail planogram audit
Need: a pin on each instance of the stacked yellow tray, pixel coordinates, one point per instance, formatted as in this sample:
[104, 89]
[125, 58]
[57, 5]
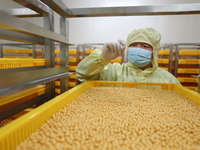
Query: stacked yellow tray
[188, 65]
[163, 59]
[71, 51]
[28, 53]
[193, 53]
[189, 61]
[71, 84]
[6, 63]
[73, 61]
[188, 70]
[72, 68]
[189, 52]
[89, 51]
[20, 51]
[17, 98]
[163, 52]
[23, 95]
[187, 79]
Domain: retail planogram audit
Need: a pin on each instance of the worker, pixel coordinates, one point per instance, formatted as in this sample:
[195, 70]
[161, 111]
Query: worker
[142, 46]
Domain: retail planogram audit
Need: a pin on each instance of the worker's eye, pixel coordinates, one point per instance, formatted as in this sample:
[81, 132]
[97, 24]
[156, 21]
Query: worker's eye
[132, 45]
[146, 46]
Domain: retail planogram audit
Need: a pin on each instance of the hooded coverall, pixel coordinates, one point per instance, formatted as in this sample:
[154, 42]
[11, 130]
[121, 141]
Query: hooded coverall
[95, 67]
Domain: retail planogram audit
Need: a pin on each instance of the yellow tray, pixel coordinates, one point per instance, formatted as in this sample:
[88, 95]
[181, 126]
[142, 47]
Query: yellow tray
[57, 83]
[72, 68]
[72, 76]
[191, 80]
[57, 59]
[22, 113]
[163, 61]
[17, 131]
[20, 51]
[17, 116]
[189, 61]
[6, 63]
[89, 51]
[23, 95]
[189, 52]
[57, 91]
[188, 70]
[57, 51]
[71, 51]
[164, 52]
[71, 84]
[18, 57]
[72, 59]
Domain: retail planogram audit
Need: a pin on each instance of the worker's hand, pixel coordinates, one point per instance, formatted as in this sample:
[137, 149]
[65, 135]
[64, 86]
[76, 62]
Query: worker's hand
[113, 50]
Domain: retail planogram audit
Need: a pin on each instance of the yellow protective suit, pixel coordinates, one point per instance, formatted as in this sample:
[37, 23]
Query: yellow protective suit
[95, 67]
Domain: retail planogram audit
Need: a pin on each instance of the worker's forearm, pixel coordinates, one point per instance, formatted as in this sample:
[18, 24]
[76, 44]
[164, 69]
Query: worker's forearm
[90, 67]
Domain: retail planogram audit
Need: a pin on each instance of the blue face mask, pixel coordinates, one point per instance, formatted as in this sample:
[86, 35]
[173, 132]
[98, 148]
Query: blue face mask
[138, 56]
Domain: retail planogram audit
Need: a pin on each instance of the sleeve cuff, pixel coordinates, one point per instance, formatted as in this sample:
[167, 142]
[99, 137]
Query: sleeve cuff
[102, 60]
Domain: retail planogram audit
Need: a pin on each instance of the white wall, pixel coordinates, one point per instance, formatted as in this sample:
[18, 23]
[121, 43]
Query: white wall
[173, 28]
[111, 3]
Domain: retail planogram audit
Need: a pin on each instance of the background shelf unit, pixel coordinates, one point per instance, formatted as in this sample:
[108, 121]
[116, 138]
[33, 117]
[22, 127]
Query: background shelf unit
[187, 64]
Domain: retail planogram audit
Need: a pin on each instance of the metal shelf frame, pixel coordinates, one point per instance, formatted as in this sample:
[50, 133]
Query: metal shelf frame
[13, 28]
[59, 7]
[16, 29]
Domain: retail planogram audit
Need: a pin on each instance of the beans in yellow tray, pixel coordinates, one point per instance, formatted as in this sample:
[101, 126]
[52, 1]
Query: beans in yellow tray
[118, 118]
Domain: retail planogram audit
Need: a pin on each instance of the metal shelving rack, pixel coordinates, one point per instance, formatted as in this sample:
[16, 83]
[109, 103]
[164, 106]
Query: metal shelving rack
[168, 46]
[177, 47]
[14, 28]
